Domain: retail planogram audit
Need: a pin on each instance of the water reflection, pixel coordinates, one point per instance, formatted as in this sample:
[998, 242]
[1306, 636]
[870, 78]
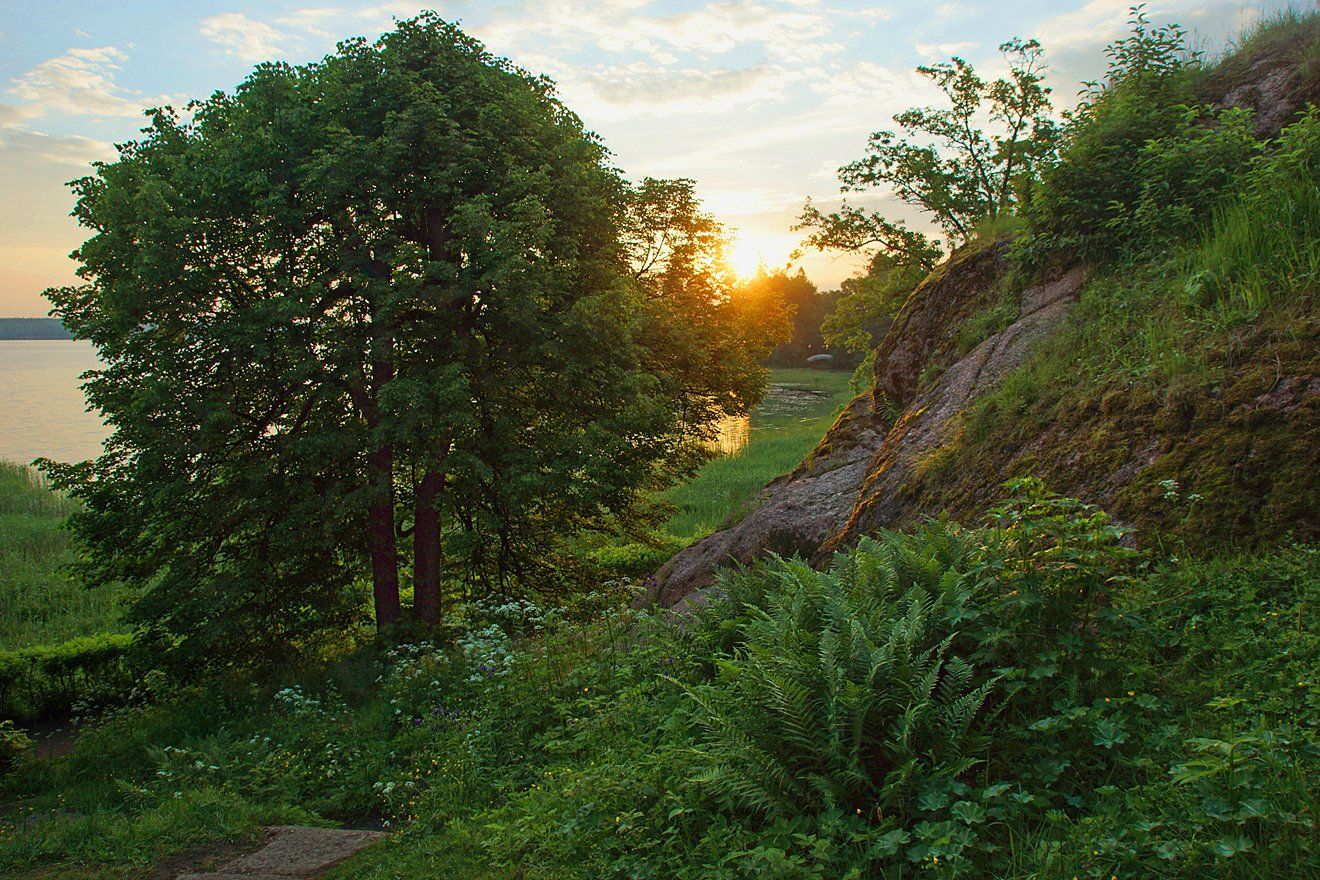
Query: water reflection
[731, 435]
[785, 402]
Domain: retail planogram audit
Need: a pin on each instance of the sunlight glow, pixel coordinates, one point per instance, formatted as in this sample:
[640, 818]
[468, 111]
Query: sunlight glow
[750, 251]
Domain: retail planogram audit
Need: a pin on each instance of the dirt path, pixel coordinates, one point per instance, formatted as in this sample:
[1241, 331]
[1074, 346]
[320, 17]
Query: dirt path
[292, 853]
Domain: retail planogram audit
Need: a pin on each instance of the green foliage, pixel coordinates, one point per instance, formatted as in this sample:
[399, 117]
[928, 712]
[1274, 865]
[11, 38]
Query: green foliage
[806, 307]
[866, 304]
[1144, 166]
[46, 680]
[944, 163]
[1085, 198]
[706, 339]
[841, 694]
[799, 409]
[377, 296]
[1262, 245]
[13, 744]
[1148, 717]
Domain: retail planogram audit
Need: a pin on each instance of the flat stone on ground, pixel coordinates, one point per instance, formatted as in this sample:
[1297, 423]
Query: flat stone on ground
[293, 852]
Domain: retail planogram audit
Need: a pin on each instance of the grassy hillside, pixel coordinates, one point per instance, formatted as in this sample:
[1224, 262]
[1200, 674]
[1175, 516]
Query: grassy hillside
[1181, 395]
[39, 601]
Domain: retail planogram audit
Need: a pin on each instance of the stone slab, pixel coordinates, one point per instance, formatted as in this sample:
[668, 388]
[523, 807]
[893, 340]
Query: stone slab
[293, 852]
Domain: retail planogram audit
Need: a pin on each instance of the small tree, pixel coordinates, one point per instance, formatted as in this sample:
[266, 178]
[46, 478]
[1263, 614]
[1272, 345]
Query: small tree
[706, 341]
[944, 163]
[866, 304]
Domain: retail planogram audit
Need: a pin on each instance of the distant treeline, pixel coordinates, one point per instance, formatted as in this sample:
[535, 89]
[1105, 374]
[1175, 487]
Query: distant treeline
[33, 328]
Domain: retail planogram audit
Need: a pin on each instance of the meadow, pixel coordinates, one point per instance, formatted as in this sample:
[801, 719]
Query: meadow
[40, 600]
[800, 407]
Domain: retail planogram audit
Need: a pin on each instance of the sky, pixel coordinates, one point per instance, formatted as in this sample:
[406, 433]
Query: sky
[759, 101]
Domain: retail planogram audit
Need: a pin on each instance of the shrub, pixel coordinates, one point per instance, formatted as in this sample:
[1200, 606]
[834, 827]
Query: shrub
[1085, 200]
[46, 680]
[13, 743]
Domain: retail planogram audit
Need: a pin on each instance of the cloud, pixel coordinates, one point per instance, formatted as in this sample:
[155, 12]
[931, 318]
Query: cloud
[782, 31]
[646, 89]
[25, 149]
[243, 37]
[312, 20]
[943, 50]
[79, 82]
[881, 90]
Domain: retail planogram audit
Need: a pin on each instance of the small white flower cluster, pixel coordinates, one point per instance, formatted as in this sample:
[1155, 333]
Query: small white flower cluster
[174, 763]
[410, 676]
[298, 702]
[489, 652]
[1171, 492]
[512, 615]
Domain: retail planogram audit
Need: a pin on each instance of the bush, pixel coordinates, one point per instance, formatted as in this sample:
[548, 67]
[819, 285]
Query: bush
[46, 680]
[1143, 163]
[13, 743]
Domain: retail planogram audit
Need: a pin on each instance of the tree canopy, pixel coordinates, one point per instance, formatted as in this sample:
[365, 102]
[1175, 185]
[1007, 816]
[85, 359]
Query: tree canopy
[390, 297]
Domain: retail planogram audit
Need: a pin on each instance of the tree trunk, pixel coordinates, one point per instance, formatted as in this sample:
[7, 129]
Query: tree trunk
[426, 548]
[380, 464]
[380, 536]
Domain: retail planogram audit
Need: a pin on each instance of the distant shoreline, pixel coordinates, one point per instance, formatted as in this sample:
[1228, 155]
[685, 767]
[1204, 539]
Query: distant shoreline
[14, 329]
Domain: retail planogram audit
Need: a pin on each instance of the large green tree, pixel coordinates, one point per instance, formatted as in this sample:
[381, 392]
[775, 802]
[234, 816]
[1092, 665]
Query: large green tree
[373, 300]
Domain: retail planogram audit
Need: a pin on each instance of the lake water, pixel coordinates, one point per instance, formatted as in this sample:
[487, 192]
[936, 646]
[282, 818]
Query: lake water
[43, 413]
[784, 401]
[42, 410]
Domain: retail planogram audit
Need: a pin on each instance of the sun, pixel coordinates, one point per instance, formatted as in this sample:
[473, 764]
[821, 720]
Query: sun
[750, 252]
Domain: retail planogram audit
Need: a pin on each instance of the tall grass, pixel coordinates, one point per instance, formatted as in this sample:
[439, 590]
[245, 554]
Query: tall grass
[1260, 249]
[39, 601]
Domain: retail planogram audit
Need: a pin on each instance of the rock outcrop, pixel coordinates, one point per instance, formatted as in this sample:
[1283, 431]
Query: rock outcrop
[850, 482]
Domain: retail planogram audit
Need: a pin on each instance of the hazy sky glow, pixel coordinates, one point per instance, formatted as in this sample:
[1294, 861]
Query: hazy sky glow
[758, 100]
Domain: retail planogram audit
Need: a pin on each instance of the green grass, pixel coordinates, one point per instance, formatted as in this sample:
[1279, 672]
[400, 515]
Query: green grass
[39, 601]
[783, 430]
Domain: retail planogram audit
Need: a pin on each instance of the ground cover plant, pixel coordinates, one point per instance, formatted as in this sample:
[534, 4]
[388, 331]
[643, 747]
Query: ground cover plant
[1026, 699]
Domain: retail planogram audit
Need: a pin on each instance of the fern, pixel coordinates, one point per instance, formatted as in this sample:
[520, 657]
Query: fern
[841, 691]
